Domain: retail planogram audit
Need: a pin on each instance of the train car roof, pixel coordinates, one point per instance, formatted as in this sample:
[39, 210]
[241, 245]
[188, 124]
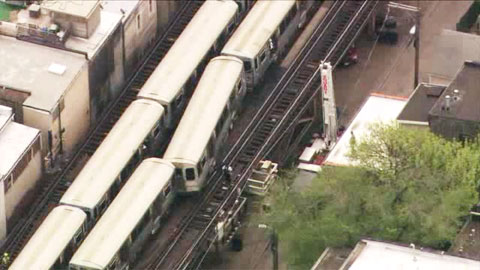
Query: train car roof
[188, 50]
[257, 27]
[113, 154]
[50, 239]
[204, 109]
[121, 217]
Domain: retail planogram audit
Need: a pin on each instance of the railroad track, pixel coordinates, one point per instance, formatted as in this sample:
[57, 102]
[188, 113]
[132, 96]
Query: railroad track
[286, 103]
[53, 190]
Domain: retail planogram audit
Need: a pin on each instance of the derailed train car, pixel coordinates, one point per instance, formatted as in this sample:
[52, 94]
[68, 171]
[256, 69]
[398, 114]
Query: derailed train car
[206, 122]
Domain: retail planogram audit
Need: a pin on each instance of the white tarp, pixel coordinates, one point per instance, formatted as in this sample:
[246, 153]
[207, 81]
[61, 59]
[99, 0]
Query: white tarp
[376, 109]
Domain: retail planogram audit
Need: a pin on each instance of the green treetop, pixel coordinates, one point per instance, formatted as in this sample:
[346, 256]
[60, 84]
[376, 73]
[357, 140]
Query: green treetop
[407, 185]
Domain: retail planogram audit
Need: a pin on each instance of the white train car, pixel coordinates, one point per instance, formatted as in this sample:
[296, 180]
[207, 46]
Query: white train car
[52, 245]
[132, 217]
[205, 123]
[116, 157]
[175, 77]
[264, 35]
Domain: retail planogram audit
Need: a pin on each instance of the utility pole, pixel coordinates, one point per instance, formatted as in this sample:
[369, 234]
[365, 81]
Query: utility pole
[417, 47]
[274, 248]
[415, 31]
[273, 244]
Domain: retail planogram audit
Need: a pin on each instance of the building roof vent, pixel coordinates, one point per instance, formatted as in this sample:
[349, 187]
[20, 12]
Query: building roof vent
[57, 68]
[448, 99]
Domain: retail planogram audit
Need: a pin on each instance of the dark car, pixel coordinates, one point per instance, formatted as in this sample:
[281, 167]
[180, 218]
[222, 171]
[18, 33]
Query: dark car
[350, 57]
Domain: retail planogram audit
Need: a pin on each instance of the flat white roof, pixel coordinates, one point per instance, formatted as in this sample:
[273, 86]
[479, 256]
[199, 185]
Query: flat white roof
[188, 50]
[82, 8]
[15, 139]
[204, 109]
[25, 67]
[259, 25]
[108, 23]
[376, 109]
[373, 255]
[121, 143]
[121, 217]
[50, 239]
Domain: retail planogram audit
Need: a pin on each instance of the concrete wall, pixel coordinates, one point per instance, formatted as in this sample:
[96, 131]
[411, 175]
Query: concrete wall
[24, 183]
[93, 21]
[75, 117]
[454, 129]
[3, 214]
[80, 27]
[165, 12]
[106, 75]
[41, 120]
[138, 39]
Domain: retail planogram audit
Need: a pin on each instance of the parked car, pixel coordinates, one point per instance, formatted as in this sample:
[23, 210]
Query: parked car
[350, 58]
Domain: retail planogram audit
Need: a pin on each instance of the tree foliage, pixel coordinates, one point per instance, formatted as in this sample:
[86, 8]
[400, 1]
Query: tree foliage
[407, 185]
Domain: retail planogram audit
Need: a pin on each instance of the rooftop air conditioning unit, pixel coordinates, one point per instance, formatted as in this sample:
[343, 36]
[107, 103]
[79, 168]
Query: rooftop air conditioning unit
[34, 10]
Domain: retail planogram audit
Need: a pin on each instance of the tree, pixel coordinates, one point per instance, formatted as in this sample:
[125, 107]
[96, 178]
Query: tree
[407, 185]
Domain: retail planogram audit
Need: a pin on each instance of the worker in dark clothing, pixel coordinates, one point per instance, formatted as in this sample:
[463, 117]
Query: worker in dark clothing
[227, 173]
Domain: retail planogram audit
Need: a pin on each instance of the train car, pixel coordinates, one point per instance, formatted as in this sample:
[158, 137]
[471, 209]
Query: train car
[132, 138]
[132, 217]
[175, 77]
[206, 122]
[54, 242]
[264, 35]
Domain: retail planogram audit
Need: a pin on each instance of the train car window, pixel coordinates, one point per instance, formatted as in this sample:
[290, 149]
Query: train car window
[199, 169]
[232, 97]
[230, 28]
[167, 190]
[262, 57]
[256, 63]
[77, 238]
[103, 206]
[190, 174]
[178, 173]
[247, 66]
[178, 100]
[210, 146]
[218, 127]
[156, 130]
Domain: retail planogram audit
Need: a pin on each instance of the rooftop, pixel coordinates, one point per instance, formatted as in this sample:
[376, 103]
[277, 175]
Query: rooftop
[460, 99]
[45, 72]
[377, 108]
[420, 103]
[451, 49]
[14, 140]
[75, 8]
[331, 258]
[374, 255]
[108, 23]
[122, 7]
